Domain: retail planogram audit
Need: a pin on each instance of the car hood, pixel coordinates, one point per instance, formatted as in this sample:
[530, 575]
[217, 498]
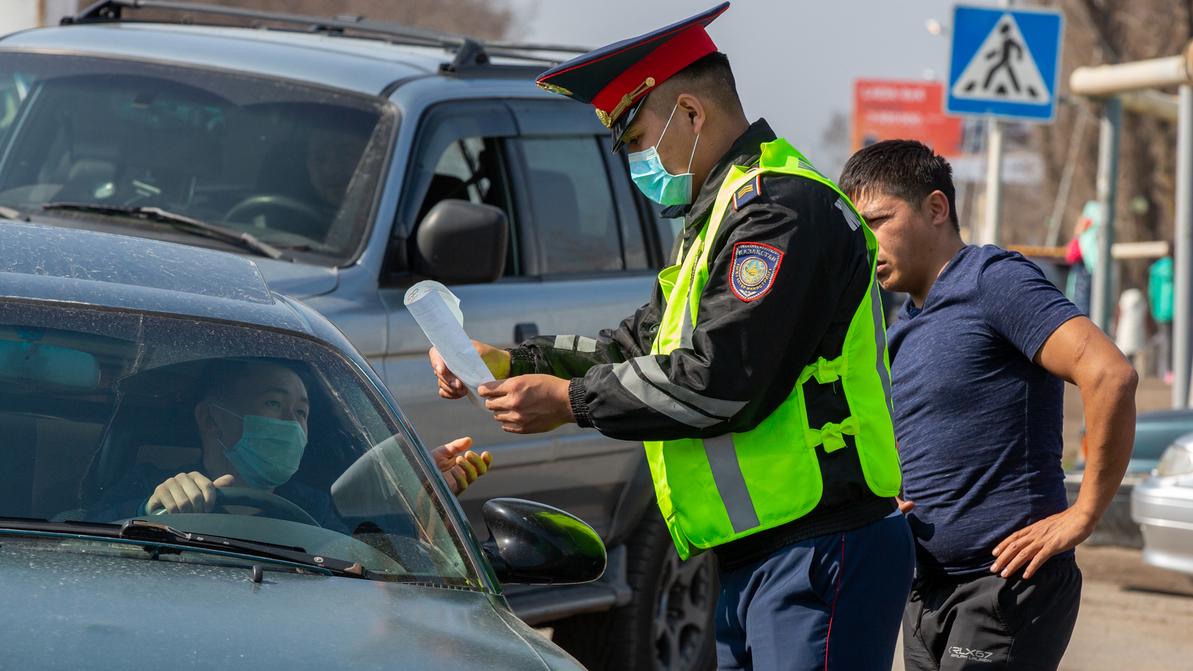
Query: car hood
[294, 279]
[298, 280]
[70, 610]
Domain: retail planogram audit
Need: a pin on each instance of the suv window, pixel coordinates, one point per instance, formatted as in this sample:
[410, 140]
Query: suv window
[461, 162]
[296, 166]
[459, 156]
[572, 205]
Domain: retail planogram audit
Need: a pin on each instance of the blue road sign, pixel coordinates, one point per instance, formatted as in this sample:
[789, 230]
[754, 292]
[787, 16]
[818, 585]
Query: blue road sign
[1004, 63]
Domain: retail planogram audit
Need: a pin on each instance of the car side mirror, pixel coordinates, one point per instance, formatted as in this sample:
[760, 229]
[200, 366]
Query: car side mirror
[536, 544]
[459, 242]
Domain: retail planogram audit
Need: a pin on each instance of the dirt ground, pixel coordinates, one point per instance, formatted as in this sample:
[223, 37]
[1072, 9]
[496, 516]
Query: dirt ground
[1133, 616]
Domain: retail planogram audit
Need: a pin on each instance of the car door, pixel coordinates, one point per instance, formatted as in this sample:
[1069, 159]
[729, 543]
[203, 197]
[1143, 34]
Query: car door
[551, 176]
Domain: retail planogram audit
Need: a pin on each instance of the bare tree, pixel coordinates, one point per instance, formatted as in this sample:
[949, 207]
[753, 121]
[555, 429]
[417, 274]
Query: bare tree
[1107, 31]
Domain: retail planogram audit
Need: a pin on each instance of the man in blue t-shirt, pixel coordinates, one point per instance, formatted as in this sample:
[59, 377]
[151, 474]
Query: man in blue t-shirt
[979, 356]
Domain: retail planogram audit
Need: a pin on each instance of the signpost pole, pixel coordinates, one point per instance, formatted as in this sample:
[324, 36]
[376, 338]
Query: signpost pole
[1107, 181]
[993, 212]
[993, 218]
[1183, 257]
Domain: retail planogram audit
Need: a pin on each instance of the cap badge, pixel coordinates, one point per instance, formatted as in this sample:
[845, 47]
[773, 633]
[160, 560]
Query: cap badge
[607, 118]
[554, 88]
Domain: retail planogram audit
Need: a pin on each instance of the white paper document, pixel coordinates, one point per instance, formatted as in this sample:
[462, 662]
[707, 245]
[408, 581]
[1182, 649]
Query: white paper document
[437, 311]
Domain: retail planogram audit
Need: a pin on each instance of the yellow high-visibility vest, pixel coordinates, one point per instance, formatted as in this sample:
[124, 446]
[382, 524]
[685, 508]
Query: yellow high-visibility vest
[717, 490]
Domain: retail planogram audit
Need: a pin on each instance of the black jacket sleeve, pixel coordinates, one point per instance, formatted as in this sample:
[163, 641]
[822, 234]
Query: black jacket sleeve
[745, 355]
[570, 356]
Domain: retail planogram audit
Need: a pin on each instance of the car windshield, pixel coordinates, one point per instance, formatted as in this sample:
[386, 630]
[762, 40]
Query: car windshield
[296, 166]
[100, 409]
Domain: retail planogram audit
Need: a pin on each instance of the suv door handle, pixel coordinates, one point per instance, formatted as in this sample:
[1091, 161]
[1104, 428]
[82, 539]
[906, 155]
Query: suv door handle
[525, 331]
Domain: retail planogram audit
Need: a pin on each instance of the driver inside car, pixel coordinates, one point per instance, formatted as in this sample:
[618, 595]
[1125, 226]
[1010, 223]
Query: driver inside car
[252, 421]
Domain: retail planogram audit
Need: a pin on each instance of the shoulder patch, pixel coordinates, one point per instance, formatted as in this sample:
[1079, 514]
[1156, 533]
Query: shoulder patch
[747, 192]
[753, 270]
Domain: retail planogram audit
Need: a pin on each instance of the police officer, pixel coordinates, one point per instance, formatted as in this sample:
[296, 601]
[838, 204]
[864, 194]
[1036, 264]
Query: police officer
[756, 375]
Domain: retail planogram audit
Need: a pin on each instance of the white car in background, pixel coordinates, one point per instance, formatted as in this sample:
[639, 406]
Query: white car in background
[1162, 505]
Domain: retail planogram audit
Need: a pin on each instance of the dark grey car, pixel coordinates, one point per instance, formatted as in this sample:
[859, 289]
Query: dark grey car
[351, 159]
[361, 559]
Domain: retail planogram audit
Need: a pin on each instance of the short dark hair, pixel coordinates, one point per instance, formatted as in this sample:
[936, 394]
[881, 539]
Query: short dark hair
[709, 76]
[906, 169]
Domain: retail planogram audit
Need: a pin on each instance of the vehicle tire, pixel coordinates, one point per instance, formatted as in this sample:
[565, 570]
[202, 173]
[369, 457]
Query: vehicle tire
[668, 626]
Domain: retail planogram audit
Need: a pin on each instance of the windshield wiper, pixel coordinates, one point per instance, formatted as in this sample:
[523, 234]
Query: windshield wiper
[178, 222]
[157, 534]
[154, 532]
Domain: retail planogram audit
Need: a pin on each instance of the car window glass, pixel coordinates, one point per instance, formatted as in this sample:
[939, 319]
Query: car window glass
[99, 410]
[458, 155]
[462, 161]
[469, 170]
[572, 206]
[297, 167]
[14, 87]
[637, 225]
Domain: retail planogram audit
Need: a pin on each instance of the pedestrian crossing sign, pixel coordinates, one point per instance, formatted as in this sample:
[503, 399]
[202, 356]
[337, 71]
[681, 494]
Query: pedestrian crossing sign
[1004, 63]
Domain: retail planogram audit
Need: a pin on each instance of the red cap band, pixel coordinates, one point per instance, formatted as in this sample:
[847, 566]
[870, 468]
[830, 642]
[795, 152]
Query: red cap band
[672, 56]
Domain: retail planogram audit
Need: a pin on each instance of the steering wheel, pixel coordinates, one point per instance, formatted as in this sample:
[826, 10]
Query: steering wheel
[271, 504]
[310, 223]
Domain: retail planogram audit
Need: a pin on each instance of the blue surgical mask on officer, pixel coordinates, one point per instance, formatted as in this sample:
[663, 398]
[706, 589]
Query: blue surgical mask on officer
[648, 173]
[269, 449]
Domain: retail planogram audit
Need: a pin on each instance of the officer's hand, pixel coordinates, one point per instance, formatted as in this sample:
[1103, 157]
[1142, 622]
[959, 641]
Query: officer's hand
[905, 506]
[497, 359]
[1036, 544]
[459, 465]
[529, 403]
[186, 493]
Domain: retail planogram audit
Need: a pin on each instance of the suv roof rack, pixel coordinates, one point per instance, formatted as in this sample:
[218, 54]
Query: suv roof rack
[468, 51]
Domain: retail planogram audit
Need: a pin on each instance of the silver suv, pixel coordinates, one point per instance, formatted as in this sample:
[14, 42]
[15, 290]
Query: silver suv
[351, 159]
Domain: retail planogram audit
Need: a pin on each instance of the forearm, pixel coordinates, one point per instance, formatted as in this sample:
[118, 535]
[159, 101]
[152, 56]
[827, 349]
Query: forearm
[570, 356]
[564, 356]
[1109, 404]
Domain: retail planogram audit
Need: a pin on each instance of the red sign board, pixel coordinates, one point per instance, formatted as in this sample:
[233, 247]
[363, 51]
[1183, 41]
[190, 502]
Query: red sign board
[904, 110]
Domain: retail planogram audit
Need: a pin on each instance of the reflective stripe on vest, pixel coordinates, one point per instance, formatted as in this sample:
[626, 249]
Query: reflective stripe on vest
[719, 489]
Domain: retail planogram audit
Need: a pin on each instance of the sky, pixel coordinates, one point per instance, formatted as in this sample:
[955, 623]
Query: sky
[794, 60]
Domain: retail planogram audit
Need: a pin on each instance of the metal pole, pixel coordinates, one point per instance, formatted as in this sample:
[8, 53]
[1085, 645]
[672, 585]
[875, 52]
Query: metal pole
[990, 235]
[1103, 298]
[1183, 234]
[1066, 179]
[992, 221]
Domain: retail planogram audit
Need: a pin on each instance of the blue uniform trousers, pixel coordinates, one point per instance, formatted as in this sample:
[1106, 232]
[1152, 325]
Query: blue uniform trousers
[829, 602]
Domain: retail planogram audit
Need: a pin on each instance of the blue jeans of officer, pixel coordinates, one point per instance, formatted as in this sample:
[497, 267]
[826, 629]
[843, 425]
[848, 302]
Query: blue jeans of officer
[830, 602]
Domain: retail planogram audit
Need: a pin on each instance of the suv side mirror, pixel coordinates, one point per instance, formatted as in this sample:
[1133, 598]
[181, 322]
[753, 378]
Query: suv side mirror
[459, 242]
[533, 543]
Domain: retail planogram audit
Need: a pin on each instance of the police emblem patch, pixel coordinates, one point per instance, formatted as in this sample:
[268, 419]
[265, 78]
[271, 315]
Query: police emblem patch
[752, 273]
